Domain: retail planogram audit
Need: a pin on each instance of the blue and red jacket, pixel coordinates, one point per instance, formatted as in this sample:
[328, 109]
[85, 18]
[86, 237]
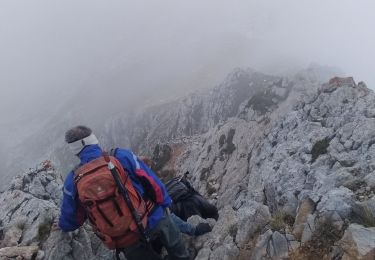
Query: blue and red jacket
[73, 214]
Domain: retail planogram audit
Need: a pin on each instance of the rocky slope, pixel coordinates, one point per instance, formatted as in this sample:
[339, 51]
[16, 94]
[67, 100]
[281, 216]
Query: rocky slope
[28, 208]
[291, 186]
[143, 128]
[288, 162]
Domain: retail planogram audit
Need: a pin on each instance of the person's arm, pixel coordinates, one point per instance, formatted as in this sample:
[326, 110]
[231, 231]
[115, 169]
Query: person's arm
[131, 163]
[72, 215]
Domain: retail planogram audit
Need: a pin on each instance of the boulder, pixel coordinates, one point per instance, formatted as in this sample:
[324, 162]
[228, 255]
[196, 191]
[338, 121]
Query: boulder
[358, 243]
[306, 207]
[19, 252]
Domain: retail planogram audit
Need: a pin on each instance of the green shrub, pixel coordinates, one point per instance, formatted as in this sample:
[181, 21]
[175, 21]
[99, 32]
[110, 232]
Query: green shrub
[363, 215]
[277, 222]
[319, 148]
[44, 230]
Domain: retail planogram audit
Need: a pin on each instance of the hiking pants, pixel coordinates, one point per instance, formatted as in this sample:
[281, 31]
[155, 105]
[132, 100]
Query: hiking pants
[183, 226]
[168, 235]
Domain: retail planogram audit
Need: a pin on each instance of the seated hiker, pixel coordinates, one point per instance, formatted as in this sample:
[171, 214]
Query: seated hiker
[184, 227]
[187, 201]
[121, 197]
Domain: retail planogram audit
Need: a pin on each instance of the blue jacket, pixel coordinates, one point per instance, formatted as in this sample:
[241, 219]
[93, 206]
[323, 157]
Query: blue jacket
[72, 213]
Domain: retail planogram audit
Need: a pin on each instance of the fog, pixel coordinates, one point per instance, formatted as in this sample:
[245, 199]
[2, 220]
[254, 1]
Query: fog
[53, 51]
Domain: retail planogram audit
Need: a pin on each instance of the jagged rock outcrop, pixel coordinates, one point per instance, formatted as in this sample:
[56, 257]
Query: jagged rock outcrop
[288, 162]
[320, 152]
[27, 212]
[358, 243]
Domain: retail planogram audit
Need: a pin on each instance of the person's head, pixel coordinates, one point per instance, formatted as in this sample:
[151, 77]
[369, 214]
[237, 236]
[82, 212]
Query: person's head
[78, 137]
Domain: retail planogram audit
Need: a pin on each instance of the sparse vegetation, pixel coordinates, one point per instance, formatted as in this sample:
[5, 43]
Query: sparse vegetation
[20, 223]
[161, 155]
[44, 230]
[368, 217]
[221, 140]
[280, 221]
[319, 148]
[233, 229]
[229, 145]
[320, 244]
[210, 189]
[363, 215]
[209, 149]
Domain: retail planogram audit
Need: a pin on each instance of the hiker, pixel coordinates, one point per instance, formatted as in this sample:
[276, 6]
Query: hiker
[186, 200]
[125, 202]
[183, 226]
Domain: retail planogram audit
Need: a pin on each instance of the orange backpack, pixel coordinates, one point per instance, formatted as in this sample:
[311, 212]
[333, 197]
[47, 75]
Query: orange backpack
[105, 205]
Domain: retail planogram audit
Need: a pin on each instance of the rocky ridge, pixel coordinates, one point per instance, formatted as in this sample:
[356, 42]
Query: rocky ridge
[289, 166]
[291, 187]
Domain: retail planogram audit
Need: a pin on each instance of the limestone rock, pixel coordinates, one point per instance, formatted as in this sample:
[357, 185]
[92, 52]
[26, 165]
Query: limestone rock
[306, 208]
[25, 252]
[28, 209]
[358, 243]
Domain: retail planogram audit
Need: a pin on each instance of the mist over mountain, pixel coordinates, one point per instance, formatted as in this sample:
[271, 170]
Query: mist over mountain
[141, 126]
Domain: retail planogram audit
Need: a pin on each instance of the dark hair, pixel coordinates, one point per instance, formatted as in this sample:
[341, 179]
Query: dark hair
[77, 133]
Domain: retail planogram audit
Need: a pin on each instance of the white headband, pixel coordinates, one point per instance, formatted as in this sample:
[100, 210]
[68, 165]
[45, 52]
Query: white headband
[78, 145]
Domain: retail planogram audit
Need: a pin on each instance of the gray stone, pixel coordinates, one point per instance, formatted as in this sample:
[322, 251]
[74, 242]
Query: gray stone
[309, 228]
[251, 219]
[358, 243]
[260, 250]
[18, 252]
[280, 246]
[306, 207]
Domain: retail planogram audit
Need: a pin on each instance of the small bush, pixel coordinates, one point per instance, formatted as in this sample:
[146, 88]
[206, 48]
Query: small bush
[363, 215]
[233, 229]
[44, 230]
[222, 140]
[277, 222]
[20, 223]
[319, 148]
[320, 244]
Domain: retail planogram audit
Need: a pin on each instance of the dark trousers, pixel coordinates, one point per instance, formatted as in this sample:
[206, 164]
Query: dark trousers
[168, 235]
[195, 205]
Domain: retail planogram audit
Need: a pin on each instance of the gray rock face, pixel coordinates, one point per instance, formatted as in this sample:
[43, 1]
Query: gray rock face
[272, 246]
[315, 152]
[358, 243]
[306, 208]
[28, 209]
[277, 156]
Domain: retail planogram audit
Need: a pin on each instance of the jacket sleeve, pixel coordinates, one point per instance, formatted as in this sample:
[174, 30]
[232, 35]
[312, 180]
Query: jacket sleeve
[72, 214]
[131, 162]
